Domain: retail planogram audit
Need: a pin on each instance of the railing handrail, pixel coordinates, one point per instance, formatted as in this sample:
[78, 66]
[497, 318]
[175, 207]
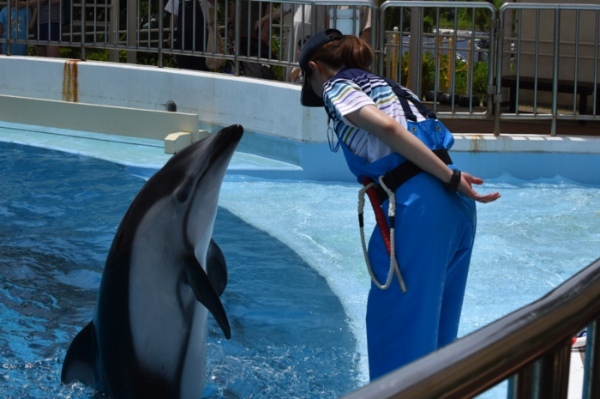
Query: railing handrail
[546, 6]
[491, 354]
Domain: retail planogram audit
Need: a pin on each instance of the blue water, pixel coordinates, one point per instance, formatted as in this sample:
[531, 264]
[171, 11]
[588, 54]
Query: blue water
[58, 215]
[298, 284]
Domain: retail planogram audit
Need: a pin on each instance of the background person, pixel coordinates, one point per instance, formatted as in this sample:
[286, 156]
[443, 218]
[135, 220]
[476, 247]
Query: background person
[435, 216]
[302, 20]
[365, 24]
[295, 74]
[48, 14]
[189, 36]
[21, 19]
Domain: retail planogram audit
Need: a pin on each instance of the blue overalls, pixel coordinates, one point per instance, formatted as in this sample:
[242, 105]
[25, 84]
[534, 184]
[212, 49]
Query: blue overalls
[434, 234]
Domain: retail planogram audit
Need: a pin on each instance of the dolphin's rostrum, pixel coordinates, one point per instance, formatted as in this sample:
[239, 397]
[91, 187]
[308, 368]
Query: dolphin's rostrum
[148, 335]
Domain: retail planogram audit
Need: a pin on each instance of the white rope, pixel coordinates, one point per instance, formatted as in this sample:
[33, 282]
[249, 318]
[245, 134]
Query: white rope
[393, 264]
[392, 215]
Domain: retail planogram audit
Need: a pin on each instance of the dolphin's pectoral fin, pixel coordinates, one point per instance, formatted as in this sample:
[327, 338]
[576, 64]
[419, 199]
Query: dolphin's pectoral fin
[205, 293]
[216, 267]
[80, 362]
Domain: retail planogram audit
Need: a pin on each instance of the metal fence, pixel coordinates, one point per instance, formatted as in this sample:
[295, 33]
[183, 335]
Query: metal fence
[525, 61]
[548, 62]
[191, 34]
[444, 51]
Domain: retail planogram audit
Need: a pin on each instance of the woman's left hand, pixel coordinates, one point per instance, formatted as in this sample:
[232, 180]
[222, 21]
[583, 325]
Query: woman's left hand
[466, 188]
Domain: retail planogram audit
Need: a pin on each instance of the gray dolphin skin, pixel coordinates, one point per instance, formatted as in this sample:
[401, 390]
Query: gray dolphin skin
[147, 338]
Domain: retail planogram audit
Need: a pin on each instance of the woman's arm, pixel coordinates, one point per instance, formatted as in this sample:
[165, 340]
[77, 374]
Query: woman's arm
[33, 19]
[399, 139]
[278, 13]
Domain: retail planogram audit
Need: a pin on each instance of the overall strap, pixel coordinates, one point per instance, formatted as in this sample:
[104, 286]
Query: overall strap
[404, 96]
[404, 172]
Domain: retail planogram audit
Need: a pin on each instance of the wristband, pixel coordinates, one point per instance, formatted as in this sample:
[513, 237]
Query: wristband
[452, 185]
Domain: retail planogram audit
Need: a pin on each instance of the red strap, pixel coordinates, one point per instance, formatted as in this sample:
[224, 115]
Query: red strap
[379, 215]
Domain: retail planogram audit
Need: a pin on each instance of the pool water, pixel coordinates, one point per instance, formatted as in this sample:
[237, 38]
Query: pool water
[59, 213]
[297, 292]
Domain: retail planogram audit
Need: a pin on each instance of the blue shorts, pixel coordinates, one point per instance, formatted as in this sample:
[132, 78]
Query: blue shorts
[52, 34]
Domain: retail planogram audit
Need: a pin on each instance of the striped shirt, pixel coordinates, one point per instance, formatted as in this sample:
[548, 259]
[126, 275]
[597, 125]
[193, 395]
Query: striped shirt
[357, 89]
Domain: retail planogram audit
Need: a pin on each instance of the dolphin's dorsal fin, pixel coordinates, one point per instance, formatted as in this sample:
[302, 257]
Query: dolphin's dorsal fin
[80, 362]
[216, 267]
[205, 293]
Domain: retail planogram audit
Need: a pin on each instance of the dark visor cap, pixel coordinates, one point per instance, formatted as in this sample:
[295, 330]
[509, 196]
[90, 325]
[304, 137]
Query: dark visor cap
[308, 98]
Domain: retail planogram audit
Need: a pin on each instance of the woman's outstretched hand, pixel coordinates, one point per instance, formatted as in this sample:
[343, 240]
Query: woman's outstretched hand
[466, 188]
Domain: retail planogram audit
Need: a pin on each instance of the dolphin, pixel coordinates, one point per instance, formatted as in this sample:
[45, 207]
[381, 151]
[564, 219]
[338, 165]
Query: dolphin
[147, 338]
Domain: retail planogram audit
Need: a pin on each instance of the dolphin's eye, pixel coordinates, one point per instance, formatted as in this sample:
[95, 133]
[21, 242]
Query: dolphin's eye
[184, 193]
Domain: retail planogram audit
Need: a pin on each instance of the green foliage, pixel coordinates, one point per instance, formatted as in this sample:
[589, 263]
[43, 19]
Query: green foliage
[96, 55]
[66, 52]
[152, 59]
[480, 79]
[461, 77]
[430, 68]
[427, 73]
[275, 49]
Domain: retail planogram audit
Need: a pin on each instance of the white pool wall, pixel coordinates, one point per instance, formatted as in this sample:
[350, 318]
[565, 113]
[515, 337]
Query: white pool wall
[270, 112]
[259, 105]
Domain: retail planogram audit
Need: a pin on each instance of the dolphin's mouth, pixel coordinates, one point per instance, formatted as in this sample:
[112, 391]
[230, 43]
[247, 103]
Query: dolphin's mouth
[223, 148]
[205, 192]
[228, 139]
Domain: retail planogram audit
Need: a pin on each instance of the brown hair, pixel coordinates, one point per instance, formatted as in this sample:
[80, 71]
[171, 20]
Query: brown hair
[349, 51]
